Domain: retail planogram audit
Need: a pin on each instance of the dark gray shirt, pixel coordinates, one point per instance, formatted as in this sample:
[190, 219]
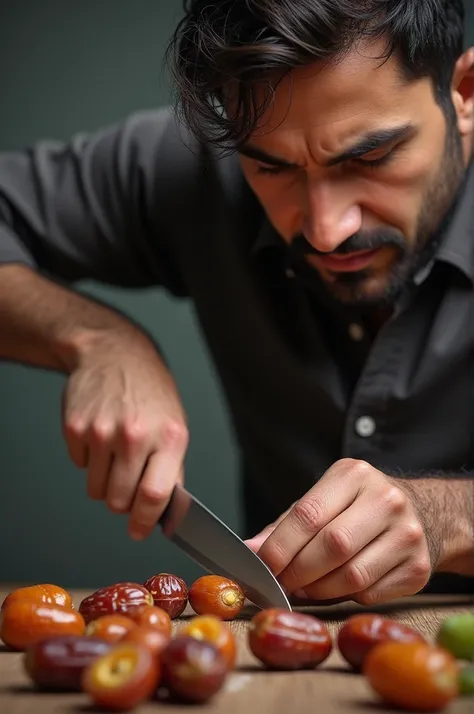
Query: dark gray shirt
[142, 204]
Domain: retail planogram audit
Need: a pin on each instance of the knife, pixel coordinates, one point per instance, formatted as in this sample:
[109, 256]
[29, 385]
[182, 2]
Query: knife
[214, 546]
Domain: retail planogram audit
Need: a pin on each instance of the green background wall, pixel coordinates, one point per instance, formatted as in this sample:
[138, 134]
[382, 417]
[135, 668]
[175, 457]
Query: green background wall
[68, 66]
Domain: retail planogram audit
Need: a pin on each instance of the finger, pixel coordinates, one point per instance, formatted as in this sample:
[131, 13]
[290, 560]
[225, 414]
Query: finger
[130, 457]
[153, 494]
[359, 573]
[75, 435]
[258, 540]
[338, 542]
[406, 579]
[324, 502]
[100, 460]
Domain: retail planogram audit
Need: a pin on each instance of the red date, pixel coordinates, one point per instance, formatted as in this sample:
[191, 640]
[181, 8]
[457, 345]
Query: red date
[58, 662]
[193, 670]
[362, 632]
[289, 640]
[169, 592]
[114, 600]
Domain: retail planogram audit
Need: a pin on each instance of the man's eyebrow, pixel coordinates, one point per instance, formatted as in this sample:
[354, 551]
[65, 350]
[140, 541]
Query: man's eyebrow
[369, 142]
[252, 152]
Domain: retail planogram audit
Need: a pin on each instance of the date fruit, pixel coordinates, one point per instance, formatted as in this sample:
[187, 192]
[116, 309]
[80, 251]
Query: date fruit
[123, 678]
[214, 595]
[289, 640]
[415, 676]
[456, 634]
[58, 662]
[360, 633]
[110, 628]
[211, 629]
[153, 639]
[23, 624]
[43, 593]
[193, 670]
[169, 592]
[152, 616]
[114, 600]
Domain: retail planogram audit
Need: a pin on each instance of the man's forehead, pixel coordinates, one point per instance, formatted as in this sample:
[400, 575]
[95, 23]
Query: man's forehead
[358, 86]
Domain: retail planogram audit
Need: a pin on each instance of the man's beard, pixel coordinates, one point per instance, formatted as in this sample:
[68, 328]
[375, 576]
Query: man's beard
[437, 210]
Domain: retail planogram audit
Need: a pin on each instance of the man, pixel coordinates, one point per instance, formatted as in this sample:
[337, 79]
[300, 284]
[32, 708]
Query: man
[318, 212]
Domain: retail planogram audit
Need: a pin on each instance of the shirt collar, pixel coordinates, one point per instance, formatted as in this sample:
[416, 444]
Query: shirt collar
[456, 248]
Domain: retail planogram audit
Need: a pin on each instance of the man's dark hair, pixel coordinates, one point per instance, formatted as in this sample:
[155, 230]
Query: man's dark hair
[243, 44]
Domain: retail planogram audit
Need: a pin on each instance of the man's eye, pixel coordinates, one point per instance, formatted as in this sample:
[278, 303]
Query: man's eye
[271, 170]
[380, 161]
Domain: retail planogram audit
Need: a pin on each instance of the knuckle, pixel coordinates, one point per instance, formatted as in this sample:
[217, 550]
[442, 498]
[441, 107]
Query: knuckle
[118, 503]
[421, 570]
[75, 425]
[413, 533]
[153, 495]
[361, 468]
[308, 513]
[174, 434]
[368, 598]
[134, 431]
[357, 577]
[395, 500]
[102, 429]
[339, 542]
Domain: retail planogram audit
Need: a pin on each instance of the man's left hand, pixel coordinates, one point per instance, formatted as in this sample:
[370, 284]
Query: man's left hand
[355, 534]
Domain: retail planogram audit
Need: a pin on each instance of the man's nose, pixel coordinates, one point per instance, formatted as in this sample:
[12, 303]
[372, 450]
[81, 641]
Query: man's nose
[331, 215]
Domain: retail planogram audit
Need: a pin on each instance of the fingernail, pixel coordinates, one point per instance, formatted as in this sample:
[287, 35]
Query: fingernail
[136, 535]
[300, 594]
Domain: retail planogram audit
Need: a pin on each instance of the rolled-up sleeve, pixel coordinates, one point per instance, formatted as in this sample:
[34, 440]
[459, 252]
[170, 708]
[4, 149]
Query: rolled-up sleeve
[83, 208]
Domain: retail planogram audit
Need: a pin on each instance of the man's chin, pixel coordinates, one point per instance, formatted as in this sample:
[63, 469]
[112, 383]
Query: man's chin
[364, 292]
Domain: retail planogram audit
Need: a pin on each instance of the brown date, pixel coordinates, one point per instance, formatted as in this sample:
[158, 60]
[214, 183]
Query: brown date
[25, 623]
[193, 670]
[361, 633]
[58, 662]
[289, 640]
[114, 600]
[169, 592]
[215, 595]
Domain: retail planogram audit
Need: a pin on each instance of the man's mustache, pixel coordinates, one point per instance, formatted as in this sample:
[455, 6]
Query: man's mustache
[362, 241]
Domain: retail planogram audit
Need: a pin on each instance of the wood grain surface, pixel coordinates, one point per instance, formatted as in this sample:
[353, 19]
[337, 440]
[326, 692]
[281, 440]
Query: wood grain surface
[330, 689]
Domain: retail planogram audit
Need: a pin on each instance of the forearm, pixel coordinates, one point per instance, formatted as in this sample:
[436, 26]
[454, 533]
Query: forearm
[445, 505]
[46, 325]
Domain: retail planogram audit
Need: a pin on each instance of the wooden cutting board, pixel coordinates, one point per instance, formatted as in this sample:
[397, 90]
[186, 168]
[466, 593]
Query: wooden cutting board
[330, 689]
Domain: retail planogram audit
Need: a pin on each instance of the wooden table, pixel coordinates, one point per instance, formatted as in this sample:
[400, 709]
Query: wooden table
[329, 689]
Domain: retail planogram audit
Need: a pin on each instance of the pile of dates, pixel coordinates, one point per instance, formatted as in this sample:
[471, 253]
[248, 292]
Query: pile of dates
[121, 647]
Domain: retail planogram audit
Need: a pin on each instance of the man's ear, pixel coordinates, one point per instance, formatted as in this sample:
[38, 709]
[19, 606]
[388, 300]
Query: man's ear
[463, 91]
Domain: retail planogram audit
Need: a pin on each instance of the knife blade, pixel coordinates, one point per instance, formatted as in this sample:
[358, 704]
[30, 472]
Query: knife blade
[191, 526]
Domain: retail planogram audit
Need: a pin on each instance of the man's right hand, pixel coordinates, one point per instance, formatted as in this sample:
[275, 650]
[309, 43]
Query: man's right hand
[123, 421]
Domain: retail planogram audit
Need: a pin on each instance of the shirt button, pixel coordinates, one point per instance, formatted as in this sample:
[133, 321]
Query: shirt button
[290, 273]
[365, 426]
[356, 332]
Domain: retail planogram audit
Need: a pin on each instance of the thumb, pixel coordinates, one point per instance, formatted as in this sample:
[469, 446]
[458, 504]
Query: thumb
[258, 540]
